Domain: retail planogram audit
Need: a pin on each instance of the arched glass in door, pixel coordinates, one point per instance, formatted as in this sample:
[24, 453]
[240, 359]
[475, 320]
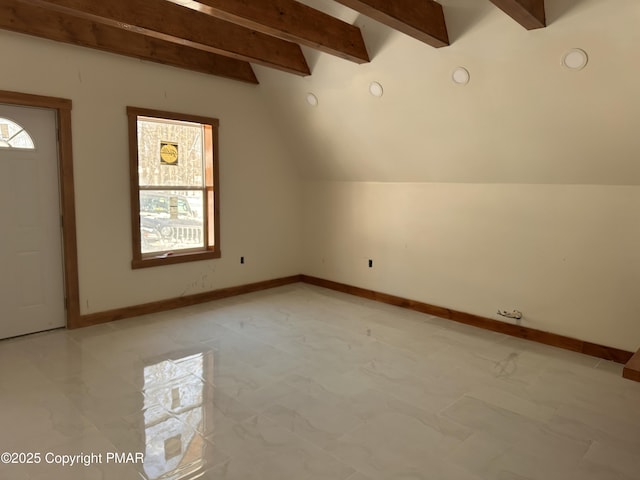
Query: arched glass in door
[13, 135]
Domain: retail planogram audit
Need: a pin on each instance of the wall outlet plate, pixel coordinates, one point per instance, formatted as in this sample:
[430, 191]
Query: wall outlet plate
[515, 314]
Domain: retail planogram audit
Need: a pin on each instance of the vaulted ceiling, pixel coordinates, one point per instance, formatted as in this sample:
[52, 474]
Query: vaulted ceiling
[224, 37]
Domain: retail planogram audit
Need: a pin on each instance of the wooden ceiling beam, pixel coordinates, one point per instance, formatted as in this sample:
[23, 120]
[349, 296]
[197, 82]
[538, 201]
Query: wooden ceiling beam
[291, 21]
[174, 23]
[528, 13]
[421, 19]
[28, 19]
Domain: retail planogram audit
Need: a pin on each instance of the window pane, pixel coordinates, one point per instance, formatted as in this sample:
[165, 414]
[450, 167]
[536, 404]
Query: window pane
[174, 183]
[13, 135]
[170, 153]
[22, 140]
[171, 220]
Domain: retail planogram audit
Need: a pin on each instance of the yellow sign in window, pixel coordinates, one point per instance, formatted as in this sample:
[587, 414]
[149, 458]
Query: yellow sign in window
[168, 153]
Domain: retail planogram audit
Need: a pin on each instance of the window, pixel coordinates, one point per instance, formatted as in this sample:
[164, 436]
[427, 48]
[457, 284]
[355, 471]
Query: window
[174, 187]
[13, 135]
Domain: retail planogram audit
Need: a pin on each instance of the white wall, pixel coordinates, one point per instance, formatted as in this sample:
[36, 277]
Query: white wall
[523, 118]
[259, 185]
[517, 191]
[568, 257]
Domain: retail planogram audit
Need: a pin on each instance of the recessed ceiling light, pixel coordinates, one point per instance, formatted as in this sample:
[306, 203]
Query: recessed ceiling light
[312, 99]
[575, 59]
[376, 89]
[461, 76]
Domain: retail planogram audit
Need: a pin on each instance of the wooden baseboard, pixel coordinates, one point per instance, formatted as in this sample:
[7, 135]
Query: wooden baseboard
[567, 343]
[632, 368]
[178, 302]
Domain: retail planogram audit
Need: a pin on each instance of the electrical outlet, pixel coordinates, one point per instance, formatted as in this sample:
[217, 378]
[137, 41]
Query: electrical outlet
[370, 263]
[242, 260]
[515, 314]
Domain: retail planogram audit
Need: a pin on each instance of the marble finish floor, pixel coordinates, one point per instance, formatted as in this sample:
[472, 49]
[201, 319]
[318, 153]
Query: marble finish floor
[303, 383]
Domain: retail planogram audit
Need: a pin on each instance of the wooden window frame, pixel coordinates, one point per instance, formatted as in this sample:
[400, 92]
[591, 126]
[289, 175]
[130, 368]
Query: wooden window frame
[212, 191]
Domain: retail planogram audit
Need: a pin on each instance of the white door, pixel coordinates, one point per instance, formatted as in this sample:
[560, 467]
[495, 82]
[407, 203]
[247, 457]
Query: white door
[31, 265]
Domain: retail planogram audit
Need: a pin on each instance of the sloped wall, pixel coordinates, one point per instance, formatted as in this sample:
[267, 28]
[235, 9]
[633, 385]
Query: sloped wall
[519, 190]
[523, 117]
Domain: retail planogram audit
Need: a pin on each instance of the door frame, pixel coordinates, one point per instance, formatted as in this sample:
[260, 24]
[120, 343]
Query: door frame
[62, 108]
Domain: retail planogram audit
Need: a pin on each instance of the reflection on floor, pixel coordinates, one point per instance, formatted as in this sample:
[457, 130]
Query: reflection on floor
[304, 383]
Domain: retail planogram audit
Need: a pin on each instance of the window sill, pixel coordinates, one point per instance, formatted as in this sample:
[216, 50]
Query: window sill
[174, 258]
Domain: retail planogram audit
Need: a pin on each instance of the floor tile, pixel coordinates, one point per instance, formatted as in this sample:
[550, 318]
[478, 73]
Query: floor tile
[304, 383]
